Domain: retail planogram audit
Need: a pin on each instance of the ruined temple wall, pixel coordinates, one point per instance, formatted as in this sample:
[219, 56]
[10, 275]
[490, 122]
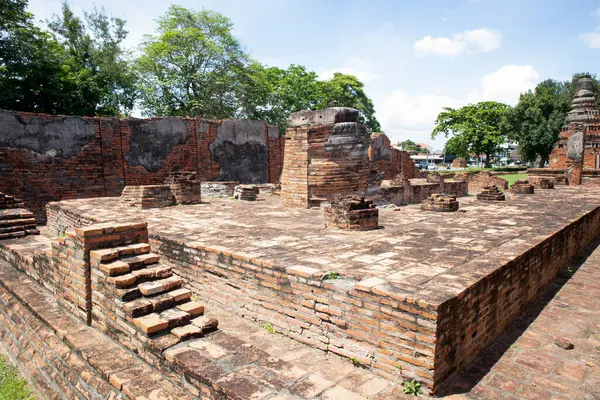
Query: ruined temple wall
[46, 158]
[591, 152]
[390, 160]
[338, 160]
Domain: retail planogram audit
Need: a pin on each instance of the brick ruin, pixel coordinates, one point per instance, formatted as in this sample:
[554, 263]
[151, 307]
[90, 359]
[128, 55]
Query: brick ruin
[459, 163]
[327, 156]
[491, 193]
[352, 213]
[479, 181]
[440, 202]
[15, 220]
[575, 159]
[49, 158]
[522, 187]
[149, 290]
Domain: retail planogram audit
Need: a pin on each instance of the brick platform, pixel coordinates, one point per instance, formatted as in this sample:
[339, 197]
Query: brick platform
[15, 220]
[404, 305]
[440, 203]
[522, 187]
[149, 196]
[351, 213]
[491, 193]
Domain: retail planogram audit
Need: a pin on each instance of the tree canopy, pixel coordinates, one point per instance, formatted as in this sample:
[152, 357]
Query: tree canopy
[474, 127]
[409, 145]
[272, 94]
[535, 122]
[191, 65]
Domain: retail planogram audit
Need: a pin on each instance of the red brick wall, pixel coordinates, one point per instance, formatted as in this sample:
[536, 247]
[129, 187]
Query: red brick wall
[101, 168]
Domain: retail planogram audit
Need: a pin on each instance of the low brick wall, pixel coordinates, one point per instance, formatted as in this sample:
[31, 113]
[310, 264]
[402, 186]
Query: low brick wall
[63, 358]
[469, 322]
[51, 367]
[390, 335]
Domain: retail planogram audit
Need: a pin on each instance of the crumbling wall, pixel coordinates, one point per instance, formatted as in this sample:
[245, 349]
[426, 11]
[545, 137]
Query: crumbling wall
[46, 158]
[390, 160]
[482, 179]
[327, 154]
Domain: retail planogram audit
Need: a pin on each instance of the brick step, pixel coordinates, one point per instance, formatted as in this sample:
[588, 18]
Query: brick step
[17, 228]
[103, 255]
[159, 286]
[143, 306]
[17, 221]
[17, 213]
[12, 235]
[122, 266]
[129, 279]
[172, 318]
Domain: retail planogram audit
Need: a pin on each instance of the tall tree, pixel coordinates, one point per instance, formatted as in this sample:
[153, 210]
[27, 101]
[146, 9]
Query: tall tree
[96, 65]
[272, 94]
[477, 126]
[347, 91]
[191, 66]
[31, 73]
[535, 122]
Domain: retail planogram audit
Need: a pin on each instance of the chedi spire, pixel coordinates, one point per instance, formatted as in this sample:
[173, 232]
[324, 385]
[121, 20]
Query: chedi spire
[583, 108]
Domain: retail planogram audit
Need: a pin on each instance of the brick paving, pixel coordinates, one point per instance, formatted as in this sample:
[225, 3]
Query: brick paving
[418, 251]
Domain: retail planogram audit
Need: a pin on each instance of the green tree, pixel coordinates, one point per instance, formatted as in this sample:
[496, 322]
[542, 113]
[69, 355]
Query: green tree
[31, 72]
[96, 67]
[535, 122]
[192, 66]
[348, 91]
[457, 146]
[272, 94]
[409, 145]
[477, 125]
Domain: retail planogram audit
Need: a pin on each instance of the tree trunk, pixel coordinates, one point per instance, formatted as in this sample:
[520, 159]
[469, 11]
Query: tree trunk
[543, 159]
[487, 160]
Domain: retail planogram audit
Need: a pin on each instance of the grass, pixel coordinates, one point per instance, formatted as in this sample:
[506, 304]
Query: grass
[12, 385]
[269, 328]
[511, 178]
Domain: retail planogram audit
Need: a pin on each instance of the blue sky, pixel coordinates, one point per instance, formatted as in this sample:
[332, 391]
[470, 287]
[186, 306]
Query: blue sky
[415, 57]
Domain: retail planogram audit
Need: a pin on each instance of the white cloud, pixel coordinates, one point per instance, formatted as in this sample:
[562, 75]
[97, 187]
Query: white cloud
[363, 76]
[592, 39]
[506, 84]
[404, 116]
[354, 66]
[475, 41]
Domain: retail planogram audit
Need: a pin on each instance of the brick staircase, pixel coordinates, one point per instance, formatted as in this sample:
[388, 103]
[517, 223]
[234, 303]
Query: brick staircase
[146, 294]
[15, 220]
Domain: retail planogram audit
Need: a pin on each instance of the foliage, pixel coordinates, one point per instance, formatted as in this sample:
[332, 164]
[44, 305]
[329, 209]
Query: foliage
[96, 66]
[409, 145]
[269, 328]
[535, 122]
[12, 386]
[411, 387]
[271, 94]
[458, 146]
[31, 76]
[476, 126]
[68, 70]
[330, 275]
[191, 66]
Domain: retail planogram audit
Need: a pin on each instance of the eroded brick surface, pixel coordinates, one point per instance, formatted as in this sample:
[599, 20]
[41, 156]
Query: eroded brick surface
[253, 258]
